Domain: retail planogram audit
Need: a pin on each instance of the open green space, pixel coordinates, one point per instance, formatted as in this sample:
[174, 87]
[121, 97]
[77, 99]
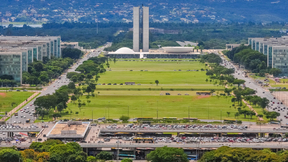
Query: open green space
[155, 65]
[10, 100]
[114, 104]
[178, 75]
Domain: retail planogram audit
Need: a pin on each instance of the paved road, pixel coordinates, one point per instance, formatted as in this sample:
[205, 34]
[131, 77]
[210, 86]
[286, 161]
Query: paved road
[30, 108]
[196, 130]
[262, 92]
[275, 145]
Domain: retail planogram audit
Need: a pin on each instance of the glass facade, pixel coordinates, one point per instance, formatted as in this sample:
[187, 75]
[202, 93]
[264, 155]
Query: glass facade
[52, 48]
[30, 56]
[24, 62]
[59, 47]
[48, 50]
[40, 53]
[10, 64]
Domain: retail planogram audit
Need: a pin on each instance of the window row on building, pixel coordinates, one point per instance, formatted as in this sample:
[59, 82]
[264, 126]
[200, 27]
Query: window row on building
[16, 52]
[276, 50]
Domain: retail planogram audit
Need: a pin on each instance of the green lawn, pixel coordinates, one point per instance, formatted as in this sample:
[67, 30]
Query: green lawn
[167, 73]
[155, 65]
[145, 104]
[6, 99]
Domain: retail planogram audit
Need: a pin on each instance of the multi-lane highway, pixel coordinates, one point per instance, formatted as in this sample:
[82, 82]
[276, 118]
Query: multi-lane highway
[262, 92]
[30, 108]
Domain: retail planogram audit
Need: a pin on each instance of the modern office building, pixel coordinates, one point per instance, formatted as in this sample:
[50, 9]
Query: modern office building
[276, 50]
[16, 52]
[144, 30]
[136, 29]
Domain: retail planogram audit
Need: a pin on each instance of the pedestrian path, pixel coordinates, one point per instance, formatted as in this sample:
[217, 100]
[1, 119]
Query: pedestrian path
[18, 107]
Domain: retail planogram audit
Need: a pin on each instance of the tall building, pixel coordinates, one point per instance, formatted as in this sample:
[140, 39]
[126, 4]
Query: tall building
[16, 52]
[145, 29]
[136, 29]
[276, 50]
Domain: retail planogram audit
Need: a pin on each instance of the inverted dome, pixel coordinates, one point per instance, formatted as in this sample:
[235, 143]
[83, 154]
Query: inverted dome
[125, 50]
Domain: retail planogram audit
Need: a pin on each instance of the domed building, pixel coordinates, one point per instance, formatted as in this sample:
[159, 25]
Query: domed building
[164, 52]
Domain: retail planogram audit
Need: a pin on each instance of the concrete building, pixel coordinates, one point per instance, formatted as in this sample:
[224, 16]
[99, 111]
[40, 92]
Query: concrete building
[71, 45]
[145, 29]
[136, 29]
[164, 52]
[276, 50]
[16, 52]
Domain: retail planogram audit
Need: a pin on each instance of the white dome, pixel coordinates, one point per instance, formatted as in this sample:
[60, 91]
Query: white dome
[124, 50]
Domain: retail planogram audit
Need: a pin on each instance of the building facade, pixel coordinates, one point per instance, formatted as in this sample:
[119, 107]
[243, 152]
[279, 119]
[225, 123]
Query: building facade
[145, 29]
[16, 52]
[276, 50]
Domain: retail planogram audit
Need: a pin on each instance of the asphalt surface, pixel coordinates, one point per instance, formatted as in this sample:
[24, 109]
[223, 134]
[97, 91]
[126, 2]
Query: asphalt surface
[261, 92]
[30, 108]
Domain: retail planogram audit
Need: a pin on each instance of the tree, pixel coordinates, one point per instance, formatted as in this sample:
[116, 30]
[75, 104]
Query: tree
[9, 155]
[43, 157]
[275, 72]
[272, 115]
[238, 82]
[264, 103]
[71, 85]
[104, 155]
[91, 159]
[157, 82]
[167, 154]
[126, 160]
[228, 113]
[73, 98]
[212, 91]
[73, 53]
[60, 107]
[124, 118]
[237, 114]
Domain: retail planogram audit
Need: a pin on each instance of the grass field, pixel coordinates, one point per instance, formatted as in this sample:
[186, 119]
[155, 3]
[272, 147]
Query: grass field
[134, 104]
[166, 72]
[6, 100]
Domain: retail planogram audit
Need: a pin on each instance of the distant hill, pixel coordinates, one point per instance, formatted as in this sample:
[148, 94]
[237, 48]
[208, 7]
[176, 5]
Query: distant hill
[160, 10]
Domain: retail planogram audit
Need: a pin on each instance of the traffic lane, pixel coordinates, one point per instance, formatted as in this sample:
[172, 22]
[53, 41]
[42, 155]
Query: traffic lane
[49, 90]
[260, 92]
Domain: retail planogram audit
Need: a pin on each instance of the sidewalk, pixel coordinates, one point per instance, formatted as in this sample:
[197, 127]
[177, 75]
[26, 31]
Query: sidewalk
[18, 107]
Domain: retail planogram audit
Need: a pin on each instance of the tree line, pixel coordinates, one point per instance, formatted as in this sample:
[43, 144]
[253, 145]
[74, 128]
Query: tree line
[86, 77]
[42, 72]
[227, 154]
[251, 60]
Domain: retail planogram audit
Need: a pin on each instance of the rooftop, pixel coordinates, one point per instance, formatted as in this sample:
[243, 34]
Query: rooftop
[71, 129]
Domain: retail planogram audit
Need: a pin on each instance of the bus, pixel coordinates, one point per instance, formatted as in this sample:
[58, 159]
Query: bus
[230, 121]
[192, 157]
[127, 156]
[143, 140]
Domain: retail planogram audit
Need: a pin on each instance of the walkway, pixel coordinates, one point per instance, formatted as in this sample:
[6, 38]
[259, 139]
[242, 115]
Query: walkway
[18, 107]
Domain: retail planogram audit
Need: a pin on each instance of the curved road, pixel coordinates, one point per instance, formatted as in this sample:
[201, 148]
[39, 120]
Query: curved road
[30, 108]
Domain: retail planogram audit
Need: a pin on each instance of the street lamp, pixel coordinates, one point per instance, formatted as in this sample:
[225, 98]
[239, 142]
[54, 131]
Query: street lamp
[208, 108]
[128, 111]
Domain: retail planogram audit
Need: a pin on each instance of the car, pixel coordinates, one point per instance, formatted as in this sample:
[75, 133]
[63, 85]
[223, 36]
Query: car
[19, 122]
[24, 116]
[83, 141]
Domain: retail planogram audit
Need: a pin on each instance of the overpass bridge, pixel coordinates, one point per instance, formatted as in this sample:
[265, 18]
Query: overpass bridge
[195, 130]
[20, 129]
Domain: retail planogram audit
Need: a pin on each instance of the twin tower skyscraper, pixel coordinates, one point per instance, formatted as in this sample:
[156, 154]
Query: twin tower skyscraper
[137, 32]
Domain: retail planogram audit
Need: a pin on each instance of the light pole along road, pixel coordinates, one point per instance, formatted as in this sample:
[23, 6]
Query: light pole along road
[50, 89]
[260, 91]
